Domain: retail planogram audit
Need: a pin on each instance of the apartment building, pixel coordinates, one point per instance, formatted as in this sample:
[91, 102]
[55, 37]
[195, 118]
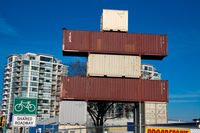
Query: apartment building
[149, 72]
[33, 76]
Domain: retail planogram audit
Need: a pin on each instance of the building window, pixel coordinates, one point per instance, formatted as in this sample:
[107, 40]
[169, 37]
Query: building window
[35, 73]
[46, 59]
[25, 73]
[24, 78]
[10, 59]
[33, 84]
[32, 94]
[34, 78]
[24, 58]
[46, 101]
[26, 68]
[47, 80]
[34, 68]
[33, 89]
[47, 85]
[35, 63]
[47, 70]
[24, 83]
[48, 65]
[46, 91]
[145, 68]
[32, 58]
[24, 88]
[47, 75]
[25, 62]
[150, 69]
[23, 94]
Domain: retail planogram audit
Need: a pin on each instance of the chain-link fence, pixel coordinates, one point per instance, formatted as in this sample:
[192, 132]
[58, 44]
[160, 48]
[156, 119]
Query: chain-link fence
[162, 128]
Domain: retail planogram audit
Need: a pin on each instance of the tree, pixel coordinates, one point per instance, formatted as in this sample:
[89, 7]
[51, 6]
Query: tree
[100, 110]
[77, 68]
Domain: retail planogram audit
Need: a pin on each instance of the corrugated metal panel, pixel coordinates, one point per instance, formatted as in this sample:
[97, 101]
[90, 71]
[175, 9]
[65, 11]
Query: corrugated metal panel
[155, 90]
[76, 40]
[155, 112]
[114, 20]
[153, 44]
[112, 89]
[73, 112]
[80, 43]
[114, 65]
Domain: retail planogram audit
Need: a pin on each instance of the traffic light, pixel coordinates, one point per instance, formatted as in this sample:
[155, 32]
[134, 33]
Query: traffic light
[1, 121]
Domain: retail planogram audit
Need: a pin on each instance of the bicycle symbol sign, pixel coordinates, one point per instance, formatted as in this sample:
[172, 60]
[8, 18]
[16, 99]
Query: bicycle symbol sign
[25, 106]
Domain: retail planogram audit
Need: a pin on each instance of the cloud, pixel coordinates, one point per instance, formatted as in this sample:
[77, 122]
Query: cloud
[183, 101]
[184, 96]
[5, 28]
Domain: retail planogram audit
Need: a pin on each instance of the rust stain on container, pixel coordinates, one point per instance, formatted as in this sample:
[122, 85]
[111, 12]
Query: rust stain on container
[153, 46]
[113, 89]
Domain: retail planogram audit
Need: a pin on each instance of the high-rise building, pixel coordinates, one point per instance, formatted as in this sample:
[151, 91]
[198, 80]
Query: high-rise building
[149, 72]
[33, 76]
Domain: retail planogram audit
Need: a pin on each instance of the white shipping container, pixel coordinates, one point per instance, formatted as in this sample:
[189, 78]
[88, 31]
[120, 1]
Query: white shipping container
[73, 112]
[114, 65]
[155, 112]
[114, 20]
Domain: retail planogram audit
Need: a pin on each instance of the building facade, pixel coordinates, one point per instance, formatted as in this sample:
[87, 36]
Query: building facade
[33, 76]
[149, 72]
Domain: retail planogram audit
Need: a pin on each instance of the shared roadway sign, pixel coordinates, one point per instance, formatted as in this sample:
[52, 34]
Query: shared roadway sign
[25, 106]
[24, 112]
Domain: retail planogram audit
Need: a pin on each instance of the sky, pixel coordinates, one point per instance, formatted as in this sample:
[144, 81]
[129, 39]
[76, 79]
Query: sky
[35, 26]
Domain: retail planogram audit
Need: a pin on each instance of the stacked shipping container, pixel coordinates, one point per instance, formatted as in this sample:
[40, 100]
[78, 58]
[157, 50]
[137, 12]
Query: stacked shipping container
[113, 89]
[82, 43]
[114, 54]
[114, 65]
[155, 112]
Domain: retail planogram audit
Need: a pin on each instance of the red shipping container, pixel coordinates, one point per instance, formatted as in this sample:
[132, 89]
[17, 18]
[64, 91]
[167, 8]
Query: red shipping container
[113, 89]
[81, 43]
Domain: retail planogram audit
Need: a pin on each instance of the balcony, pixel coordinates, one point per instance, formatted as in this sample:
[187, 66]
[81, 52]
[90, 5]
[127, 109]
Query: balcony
[6, 78]
[8, 68]
[17, 70]
[5, 98]
[43, 66]
[7, 73]
[3, 109]
[53, 98]
[41, 86]
[42, 71]
[6, 88]
[18, 60]
[4, 103]
[54, 83]
[6, 83]
[16, 80]
[5, 94]
[39, 108]
[53, 88]
[41, 76]
[54, 73]
[16, 75]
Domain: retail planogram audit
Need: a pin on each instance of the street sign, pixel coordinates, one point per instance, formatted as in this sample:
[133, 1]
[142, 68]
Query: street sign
[24, 121]
[25, 106]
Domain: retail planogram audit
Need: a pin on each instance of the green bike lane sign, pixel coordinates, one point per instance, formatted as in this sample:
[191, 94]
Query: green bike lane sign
[25, 106]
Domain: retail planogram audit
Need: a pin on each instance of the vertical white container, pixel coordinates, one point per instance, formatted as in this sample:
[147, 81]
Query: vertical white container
[73, 112]
[155, 112]
[114, 20]
[114, 65]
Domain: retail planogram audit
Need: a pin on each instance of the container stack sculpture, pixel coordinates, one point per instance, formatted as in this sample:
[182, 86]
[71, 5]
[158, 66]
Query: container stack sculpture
[114, 63]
